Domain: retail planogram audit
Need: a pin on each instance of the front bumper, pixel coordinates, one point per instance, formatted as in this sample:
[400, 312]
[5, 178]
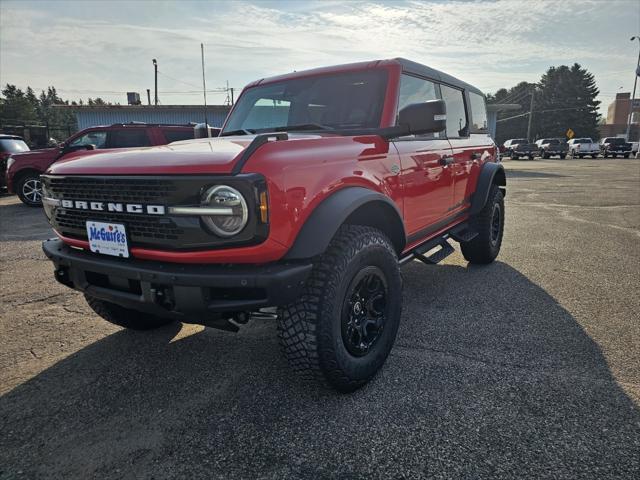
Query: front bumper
[180, 291]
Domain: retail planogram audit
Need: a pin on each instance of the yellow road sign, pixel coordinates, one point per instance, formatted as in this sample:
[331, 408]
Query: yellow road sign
[570, 134]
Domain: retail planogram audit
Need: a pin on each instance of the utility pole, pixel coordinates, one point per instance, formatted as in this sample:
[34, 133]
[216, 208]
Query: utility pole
[155, 68]
[204, 91]
[149, 96]
[633, 97]
[533, 91]
[232, 96]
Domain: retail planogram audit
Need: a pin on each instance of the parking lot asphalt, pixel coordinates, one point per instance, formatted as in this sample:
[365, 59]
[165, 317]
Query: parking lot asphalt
[526, 368]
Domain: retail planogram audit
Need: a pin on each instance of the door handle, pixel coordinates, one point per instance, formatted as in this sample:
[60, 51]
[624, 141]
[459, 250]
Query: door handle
[446, 161]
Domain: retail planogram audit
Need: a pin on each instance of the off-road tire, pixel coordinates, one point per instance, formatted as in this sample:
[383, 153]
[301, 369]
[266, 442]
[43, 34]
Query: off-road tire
[125, 317]
[311, 328]
[21, 189]
[484, 248]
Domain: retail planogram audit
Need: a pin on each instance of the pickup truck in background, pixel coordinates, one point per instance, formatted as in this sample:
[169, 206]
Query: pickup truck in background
[581, 147]
[520, 147]
[549, 147]
[615, 146]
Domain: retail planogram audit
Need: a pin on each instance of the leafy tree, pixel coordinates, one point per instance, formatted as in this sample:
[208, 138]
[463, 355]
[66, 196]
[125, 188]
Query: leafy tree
[564, 98]
[18, 107]
[567, 99]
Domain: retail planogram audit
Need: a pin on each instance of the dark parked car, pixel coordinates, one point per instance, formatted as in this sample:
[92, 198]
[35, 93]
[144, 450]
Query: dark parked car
[9, 144]
[519, 148]
[549, 147]
[24, 169]
[614, 146]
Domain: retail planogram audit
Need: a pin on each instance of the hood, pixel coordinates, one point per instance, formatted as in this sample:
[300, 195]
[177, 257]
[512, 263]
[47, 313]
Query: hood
[35, 154]
[202, 156]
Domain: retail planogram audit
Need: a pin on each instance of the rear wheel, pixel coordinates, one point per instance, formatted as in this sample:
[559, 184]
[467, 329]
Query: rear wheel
[563, 156]
[29, 189]
[489, 224]
[514, 156]
[626, 155]
[544, 155]
[125, 317]
[341, 329]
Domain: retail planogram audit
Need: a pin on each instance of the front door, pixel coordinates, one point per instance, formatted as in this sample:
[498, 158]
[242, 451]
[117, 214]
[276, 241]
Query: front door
[426, 167]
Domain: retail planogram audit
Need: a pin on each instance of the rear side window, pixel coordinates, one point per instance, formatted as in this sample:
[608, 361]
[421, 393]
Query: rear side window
[135, 137]
[478, 113]
[456, 113]
[177, 135]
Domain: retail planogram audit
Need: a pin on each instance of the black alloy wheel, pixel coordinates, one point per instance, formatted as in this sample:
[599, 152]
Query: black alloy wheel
[364, 311]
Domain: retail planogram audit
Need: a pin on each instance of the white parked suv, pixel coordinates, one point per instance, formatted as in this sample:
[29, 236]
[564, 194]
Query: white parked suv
[581, 147]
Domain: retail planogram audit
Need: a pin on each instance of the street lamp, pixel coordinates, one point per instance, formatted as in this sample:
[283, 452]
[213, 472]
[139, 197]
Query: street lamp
[155, 68]
[635, 82]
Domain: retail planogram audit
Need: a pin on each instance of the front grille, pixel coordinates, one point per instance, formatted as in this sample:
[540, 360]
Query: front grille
[163, 232]
[141, 228]
[126, 190]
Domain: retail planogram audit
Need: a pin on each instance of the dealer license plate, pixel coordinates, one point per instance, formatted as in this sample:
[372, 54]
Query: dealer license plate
[108, 239]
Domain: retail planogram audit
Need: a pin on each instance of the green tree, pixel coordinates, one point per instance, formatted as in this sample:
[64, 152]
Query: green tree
[18, 107]
[564, 98]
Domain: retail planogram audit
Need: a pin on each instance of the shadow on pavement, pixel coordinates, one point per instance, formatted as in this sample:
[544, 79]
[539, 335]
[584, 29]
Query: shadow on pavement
[490, 376]
[512, 173]
[27, 223]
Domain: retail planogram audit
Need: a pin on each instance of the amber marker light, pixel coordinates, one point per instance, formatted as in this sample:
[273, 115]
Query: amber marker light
[264, 209]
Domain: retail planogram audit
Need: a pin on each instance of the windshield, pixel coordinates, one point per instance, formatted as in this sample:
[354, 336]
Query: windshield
[13, 145]
[338, 101]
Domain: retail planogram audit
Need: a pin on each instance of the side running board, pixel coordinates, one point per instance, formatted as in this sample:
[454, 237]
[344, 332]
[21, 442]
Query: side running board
[460, 233]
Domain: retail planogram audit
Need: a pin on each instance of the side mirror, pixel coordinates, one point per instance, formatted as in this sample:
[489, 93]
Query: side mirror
[424, 117]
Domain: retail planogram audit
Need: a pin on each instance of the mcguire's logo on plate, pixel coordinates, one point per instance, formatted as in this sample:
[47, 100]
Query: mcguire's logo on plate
[108, 238]
[108, 234]
[116, 207]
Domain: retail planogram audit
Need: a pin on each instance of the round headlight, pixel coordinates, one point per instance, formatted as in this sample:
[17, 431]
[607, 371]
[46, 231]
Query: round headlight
[234, 212]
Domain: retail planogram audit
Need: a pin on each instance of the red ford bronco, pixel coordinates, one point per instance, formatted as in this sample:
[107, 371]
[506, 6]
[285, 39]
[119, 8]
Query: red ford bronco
[321, 185]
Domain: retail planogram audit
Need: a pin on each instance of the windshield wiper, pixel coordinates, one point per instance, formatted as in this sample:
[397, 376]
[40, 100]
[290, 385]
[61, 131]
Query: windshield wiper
[242, 131]
[301, 126]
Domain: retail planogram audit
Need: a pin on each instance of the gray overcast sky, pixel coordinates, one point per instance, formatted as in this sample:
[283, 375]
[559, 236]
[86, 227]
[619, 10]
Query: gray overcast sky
[95, 48]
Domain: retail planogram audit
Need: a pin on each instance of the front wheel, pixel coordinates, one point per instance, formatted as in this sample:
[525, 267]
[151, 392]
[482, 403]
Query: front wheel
[563, 156]
[489, 224]
[626, 155]
[29, 189]
[343, 326]
[125, 317]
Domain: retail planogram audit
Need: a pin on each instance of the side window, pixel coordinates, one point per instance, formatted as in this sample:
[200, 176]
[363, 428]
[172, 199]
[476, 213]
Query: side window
[126, 138]
[177, 135]
[96, 138]
[456, 114]
[416, 90]
[478, 113]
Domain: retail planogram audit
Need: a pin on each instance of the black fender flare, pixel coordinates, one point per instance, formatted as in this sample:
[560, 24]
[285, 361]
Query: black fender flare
[490, 174]
[371, 207]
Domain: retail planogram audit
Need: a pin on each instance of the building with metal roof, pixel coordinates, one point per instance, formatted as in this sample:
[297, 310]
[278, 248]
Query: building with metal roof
[92, 115]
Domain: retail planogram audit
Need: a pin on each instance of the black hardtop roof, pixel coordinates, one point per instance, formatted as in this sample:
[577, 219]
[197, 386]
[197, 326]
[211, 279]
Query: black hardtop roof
[424, 71]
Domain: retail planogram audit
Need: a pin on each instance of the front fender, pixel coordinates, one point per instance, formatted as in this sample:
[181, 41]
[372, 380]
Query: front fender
[323, 223]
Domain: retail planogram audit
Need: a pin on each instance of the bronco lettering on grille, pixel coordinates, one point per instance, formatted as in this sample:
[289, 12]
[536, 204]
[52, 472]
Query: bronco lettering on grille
[114, 207]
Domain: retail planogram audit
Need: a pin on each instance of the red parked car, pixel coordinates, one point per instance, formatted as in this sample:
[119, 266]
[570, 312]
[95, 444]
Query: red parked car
[9, 145]
[321, 185]
[24, 169]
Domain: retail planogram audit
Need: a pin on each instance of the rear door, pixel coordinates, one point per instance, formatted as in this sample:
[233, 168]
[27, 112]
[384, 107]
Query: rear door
[425, 169]
[469, 149]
